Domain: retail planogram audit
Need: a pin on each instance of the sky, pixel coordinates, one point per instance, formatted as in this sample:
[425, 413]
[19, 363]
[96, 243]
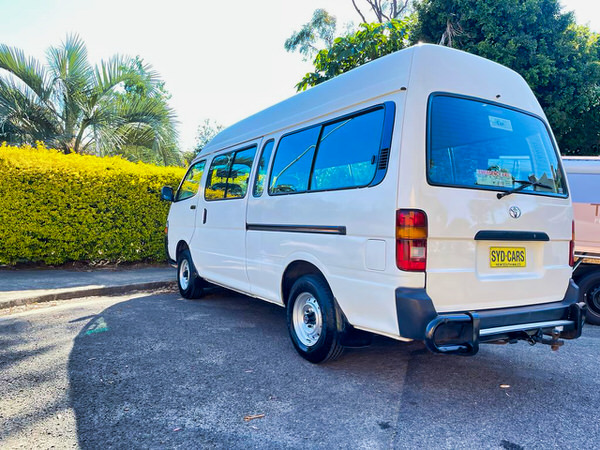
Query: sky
[220, 60]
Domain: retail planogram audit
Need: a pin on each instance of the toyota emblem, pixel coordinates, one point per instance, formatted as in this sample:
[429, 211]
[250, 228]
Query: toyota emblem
[514, 212]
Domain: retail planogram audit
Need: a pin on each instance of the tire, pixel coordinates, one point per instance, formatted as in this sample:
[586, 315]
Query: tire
[314, 320]
[189, 282]
[589, 292]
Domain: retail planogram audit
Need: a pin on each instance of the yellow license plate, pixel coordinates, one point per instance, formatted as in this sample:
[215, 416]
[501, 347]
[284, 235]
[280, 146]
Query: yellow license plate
[507, 257]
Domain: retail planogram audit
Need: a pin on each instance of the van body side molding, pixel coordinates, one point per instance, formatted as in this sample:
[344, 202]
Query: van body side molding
[314, 229]
[494, 235]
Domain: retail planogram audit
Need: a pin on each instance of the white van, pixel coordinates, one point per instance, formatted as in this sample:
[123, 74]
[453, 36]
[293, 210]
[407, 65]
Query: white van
[420, 196]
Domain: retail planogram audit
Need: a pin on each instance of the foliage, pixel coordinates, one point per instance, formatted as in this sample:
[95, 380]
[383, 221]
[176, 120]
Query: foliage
[559, 60]
[320, 32]
[207, 130]
[370, 42]
[204, 134]
[144, 81]
[56, 208]
[144, 86]
[75, 107]
[320, 29]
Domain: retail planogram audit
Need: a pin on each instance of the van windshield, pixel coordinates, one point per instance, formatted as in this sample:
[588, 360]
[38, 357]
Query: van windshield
[480, 145]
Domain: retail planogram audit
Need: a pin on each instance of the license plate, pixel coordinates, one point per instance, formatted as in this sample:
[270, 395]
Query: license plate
[507, 257]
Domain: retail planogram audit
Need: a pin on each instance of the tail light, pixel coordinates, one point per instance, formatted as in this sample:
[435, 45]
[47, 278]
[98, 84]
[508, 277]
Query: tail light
[411, 240]
[572, 246]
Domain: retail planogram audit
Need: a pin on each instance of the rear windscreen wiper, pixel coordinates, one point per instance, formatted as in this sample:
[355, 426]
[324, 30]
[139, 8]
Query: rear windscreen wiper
[524, 184]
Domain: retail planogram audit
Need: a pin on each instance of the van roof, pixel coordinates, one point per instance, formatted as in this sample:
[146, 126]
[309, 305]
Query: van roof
[375, 79]
[389, 73]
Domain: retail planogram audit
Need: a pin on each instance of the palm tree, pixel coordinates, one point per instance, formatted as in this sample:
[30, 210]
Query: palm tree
[116, 107]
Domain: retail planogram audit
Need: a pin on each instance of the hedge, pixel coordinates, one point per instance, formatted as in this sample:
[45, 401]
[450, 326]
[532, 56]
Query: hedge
[57, 208]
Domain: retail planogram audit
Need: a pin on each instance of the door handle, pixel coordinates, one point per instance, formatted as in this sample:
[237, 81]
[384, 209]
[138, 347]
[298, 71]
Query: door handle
[192, 206]
[204, 216]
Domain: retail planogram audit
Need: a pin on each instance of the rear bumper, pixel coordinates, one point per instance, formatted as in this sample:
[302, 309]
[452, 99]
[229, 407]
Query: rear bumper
[462, 332]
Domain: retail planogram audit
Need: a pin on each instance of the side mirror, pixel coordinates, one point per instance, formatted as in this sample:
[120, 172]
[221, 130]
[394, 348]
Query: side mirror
[167, 194]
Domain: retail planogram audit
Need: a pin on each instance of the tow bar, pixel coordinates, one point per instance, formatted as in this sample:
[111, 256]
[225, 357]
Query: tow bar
[553, 341]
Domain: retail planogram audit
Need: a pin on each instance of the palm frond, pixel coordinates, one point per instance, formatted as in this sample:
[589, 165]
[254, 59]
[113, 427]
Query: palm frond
[69, 62]
[28, 70]
[72, 79]
[27, 118]
[110, 74]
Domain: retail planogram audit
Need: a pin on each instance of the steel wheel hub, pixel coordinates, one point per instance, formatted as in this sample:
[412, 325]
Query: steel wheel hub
[307, 319]
[184, 274]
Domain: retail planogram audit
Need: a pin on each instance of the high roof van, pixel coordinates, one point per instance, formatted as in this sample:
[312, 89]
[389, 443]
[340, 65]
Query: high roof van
[420, 197]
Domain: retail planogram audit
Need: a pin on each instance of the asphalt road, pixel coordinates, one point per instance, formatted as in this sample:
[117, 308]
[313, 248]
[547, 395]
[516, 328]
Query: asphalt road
[157, 371]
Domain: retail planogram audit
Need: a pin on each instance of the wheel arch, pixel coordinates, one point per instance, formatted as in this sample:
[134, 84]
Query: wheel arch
[583, 270]
[181, 246]
[295, 270]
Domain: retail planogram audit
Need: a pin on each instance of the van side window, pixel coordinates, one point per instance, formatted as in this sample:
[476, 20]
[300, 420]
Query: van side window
[237, 182]
[261, 172]
[228, 175]
[351, 151]
[347, 152]
[217, 177]
[191, 182]
[293, 160]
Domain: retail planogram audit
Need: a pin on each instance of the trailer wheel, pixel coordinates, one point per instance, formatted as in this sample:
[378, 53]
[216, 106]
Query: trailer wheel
[313, 320]
[189, 282]
[589, 291]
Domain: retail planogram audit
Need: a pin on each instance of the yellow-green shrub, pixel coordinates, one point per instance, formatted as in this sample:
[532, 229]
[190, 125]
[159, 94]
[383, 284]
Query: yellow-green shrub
[56, 208]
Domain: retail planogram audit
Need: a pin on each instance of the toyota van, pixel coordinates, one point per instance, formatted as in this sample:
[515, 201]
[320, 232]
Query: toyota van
[420, 197]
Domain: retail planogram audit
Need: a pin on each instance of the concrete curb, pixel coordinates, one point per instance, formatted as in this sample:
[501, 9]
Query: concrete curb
[88, 292]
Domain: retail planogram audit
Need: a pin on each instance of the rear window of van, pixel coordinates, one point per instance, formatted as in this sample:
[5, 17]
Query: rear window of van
[480, 145]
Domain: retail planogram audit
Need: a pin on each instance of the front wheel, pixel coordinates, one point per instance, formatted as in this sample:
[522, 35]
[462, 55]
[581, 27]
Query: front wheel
[189, 282]
[589, 288]
[313, 320]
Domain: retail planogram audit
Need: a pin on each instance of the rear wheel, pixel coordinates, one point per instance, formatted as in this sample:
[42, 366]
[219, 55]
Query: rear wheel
[313, 320]
[189, 283]
[589, 288]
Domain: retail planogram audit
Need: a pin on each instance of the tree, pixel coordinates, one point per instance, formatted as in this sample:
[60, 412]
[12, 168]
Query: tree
[559, 60]
[321, 29]
[145, 87]
[370, 42]
[116, 107]
[207, 130]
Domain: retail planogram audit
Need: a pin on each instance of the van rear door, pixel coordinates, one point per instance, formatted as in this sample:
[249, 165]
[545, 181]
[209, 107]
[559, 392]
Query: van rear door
[499, 214]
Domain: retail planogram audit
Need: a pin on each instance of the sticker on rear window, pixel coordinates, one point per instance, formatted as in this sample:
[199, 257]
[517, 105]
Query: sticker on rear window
[493, 178]
[501, 124]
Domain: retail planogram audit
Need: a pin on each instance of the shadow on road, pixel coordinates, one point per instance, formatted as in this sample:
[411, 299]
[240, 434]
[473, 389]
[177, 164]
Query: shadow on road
[163, 371]
[31, 372]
